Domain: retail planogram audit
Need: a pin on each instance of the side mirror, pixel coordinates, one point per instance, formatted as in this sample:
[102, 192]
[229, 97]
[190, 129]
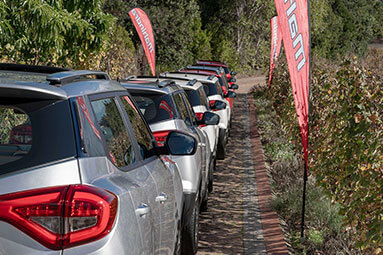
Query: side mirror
[234, 86]
[231, 94]
[209, 118]
[232, 80]
[233, 73]
[218, 105]
[180, 144]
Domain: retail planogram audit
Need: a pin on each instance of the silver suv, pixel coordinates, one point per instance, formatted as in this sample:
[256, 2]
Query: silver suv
[165, 107]
[80, 171]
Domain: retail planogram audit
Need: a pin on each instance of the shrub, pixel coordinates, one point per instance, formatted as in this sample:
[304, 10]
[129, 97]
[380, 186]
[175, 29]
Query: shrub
[346, 139]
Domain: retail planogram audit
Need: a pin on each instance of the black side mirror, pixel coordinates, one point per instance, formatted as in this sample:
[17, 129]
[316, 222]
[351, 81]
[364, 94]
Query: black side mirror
[233, 73]
[234, 86]
[231, 94]
[218, 105]
[209, 118]
[180, 144]
[232, 80]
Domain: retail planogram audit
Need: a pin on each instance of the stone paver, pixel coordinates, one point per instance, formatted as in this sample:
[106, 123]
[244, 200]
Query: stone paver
[236, 221]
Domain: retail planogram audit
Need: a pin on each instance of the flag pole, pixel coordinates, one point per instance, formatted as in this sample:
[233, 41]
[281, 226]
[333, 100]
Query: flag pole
[305, 177]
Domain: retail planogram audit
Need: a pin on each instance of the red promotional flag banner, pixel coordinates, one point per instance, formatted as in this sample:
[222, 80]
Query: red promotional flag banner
[145, 31]
[276, 45]
[294, 23]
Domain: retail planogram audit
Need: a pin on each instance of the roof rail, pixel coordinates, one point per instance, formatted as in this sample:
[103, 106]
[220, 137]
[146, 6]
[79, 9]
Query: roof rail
[131, 77]
[31, 68]
[192, 82]
[165, 83]
[63, 78]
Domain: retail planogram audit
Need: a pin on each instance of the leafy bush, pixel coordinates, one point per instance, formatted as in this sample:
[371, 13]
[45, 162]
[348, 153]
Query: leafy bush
[346, 153]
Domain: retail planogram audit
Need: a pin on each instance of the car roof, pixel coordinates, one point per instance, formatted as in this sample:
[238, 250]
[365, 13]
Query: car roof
[206, 68]
[185, 83]
[187, 75]
[165, 86]
[45, 82]
[198, 71]
[211, 62]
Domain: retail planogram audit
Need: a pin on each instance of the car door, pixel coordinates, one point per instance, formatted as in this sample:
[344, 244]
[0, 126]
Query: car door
[128, 172]
[204, 144]
[162, 196]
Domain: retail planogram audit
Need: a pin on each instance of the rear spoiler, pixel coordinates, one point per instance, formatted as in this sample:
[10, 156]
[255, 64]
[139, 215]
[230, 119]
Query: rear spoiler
[35, 91]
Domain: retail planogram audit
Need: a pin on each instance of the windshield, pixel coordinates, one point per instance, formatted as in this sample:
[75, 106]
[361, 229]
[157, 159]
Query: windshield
[155, 107]
[34, 132]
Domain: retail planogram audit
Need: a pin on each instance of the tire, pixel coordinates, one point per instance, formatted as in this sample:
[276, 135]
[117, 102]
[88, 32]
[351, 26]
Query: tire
[221, 147]
[211, 176]
[177, 246]
[190, 233]
[204, 201]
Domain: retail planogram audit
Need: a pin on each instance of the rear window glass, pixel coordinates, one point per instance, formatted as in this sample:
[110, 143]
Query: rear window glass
[193, 97]
[34, 133]
[212, 89]
[155, 107]
[226, 70]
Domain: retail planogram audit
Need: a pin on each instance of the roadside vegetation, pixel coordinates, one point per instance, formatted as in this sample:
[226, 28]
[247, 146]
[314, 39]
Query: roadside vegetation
[345, 208]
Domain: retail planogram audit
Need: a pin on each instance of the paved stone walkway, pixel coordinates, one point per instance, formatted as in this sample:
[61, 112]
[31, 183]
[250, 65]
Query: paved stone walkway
[235, 222]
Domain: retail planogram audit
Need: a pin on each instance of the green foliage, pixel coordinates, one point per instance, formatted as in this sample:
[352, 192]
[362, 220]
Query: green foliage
[345, 138]
[53, 32]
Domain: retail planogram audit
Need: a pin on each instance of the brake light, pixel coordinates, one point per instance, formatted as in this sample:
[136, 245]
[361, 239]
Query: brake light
[199, 115]
[212, 102]
[61, 217]
[160, 137]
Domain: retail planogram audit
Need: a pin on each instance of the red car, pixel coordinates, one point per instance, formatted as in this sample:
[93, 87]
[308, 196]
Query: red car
[212, 63]
[220, 75]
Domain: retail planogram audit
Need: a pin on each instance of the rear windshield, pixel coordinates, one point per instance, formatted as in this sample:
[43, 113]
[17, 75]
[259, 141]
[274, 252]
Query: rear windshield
[193, 97]
[212, 89]
[155, 107]
[34, 132]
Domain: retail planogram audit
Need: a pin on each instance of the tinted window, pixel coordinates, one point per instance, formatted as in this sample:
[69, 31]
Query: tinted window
[114, 131]
[140, 129]
[193, 97]
[15, 135]
[212, 89]
[189, 109]
[226, 70]
[155, 107]
[203, 97]
[182, 108]
[90, 136]
[34, 132]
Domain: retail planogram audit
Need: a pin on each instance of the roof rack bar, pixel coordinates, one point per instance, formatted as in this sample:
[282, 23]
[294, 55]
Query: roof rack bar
[131, 77]
[163, 84]
[69, 76]
[192, 82]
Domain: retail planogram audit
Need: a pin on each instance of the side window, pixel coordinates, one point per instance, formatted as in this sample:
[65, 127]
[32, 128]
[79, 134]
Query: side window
[140, 130]
[190, 109]
[182, 108]
[15, 135]
[90, 136]
[203, 97]
[114, 131]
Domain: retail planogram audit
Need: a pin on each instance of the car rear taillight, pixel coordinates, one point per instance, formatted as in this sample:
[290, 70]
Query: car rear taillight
[160, 137]
[212, 102]
[199, 115]
[61, 217]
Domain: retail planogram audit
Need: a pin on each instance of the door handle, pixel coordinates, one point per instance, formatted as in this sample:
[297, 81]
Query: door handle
[142, 210]
[162, 198]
